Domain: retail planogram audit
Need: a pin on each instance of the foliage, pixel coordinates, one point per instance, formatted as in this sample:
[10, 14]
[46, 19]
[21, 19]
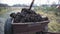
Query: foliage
[2, 10]
[51, 13]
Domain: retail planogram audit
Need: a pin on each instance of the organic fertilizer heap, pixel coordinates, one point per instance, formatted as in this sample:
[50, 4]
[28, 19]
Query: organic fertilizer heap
[27, 15]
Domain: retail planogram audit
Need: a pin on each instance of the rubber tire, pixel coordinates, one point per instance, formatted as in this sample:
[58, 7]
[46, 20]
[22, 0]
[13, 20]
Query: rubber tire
[8, 26]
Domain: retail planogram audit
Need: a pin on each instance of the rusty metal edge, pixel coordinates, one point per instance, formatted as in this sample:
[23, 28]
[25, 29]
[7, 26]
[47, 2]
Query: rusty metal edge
[33, 22]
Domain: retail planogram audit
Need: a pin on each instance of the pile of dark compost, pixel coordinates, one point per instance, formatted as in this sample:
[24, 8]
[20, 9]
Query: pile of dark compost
[27, 15]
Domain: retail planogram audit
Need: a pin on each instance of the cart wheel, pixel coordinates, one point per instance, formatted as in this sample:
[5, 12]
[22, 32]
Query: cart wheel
[8, 26]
